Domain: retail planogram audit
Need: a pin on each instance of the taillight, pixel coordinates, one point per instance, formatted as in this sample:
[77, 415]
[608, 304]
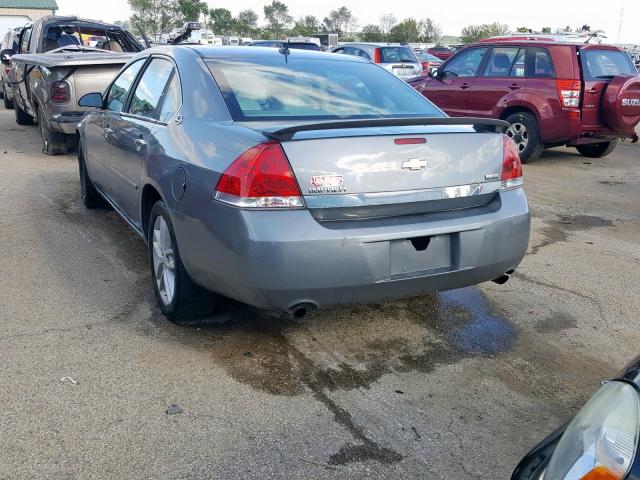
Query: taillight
[569, 92]
[511, 167]
[260, 177]
[60, 92]
[376, 56]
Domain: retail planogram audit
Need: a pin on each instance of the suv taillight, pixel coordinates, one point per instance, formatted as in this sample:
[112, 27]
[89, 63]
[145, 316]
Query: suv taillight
[260, 177]
[569, 92]
[376, 56]
[511, 167]
[60, 92]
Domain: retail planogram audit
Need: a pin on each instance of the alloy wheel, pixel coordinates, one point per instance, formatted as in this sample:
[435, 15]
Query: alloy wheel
[163, 260]
[520, 135]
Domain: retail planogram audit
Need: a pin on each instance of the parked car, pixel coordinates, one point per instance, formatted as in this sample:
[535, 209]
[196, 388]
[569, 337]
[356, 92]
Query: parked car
[298, 181]
[429, 62]
[600, 443]
[552, 93]
[9, 46]
[292, 45]
[398, 59]
[54, 67]
[440, 51]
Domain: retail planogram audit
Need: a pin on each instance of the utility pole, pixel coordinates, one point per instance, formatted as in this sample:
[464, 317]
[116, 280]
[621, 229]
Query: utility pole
[620, 24]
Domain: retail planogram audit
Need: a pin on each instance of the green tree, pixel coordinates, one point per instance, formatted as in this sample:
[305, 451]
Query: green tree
[372, 33]
[152, 16]
[247, 23]
[341, 21]
[546, 29]
[278, 18]
[306, 26]
[221, 21]
[523, 30]
[406, 31]
[189, 11]
[473, 33]
[429, 31]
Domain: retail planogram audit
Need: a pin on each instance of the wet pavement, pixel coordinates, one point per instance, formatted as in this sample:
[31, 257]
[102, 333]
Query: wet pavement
[95, 383]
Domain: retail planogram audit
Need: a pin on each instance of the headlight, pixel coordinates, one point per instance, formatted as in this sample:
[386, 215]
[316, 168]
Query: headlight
[600, 442]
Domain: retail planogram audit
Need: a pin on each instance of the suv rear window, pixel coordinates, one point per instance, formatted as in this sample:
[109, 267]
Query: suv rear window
[397, 54]
[301, 89]
[606, 64]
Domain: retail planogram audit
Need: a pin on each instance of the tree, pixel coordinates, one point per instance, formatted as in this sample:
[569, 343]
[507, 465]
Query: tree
[429, 31]
[189, 11]
[152, 16]
[406, 31]
[387, 22]
[567, 28]
[247, 23]
[473, 33]
[546, 29]
[340, 21]
[372, 33]
[306, 26]
[221, 21]
[524, 30]
[278, 18]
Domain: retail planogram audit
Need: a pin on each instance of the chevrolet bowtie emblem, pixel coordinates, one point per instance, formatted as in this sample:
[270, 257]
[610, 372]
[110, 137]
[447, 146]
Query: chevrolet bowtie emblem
[414, 164]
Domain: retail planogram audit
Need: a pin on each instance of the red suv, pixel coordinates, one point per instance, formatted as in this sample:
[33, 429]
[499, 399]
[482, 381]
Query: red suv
[552, 93]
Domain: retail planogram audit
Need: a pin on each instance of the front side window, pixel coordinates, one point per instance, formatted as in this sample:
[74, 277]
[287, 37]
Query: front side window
[501, 61]
[465, 64]
[606, 64]
[299, 89]
[119, 91]
[151, 89]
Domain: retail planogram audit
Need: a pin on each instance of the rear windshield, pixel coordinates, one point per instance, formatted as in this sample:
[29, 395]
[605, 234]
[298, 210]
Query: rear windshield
[74, 35]
[306, 89]
[397, 54]
[304, 46]
[606, 64]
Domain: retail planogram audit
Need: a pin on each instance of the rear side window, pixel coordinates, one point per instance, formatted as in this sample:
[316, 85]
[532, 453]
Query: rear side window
[356, 52]
[606, 64]
[119, 91]
[502, 62]
[152, 89]
[465, 64]
[299, 89]
[539, 63]
[172, 99]
[396, 54]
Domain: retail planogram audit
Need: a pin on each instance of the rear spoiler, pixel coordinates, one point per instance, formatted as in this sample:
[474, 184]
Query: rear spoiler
[480, 124]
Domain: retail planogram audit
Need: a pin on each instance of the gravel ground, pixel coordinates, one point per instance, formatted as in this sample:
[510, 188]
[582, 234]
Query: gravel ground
[95, 383]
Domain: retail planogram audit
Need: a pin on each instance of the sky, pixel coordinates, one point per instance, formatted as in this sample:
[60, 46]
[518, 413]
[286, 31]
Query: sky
[546, 13]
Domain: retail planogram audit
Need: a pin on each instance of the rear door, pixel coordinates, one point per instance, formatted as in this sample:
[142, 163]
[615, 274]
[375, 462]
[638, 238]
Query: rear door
[502, 79]
[450, 91]
[598, 68]
[135, 130]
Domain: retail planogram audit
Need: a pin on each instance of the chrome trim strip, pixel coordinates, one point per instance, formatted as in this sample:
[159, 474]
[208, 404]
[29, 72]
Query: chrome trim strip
[406, 196]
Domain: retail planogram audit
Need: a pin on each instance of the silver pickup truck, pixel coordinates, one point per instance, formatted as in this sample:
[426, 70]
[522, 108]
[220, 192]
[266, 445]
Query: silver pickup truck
[58, 61]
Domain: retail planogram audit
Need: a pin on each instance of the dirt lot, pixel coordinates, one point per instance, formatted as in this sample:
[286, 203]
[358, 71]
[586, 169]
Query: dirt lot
[456, 385]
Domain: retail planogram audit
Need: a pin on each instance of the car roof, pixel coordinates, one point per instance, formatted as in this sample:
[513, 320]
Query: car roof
[373, 44]
[544, 41]
[214, 52]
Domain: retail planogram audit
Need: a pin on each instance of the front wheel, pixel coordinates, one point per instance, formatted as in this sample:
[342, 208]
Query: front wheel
[525, 133]
[179, 298]
[597, 150]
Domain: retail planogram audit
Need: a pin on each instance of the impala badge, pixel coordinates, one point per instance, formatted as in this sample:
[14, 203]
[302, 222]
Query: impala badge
[327, 184]
[414, 164]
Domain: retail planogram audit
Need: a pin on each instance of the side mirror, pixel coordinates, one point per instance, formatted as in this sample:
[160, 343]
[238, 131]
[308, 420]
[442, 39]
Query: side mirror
[94, 100]
[435, 72]
[5, 56]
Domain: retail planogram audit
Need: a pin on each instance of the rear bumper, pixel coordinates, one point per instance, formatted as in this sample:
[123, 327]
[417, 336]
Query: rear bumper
[66, 122]
[276, 259]
[570, 130]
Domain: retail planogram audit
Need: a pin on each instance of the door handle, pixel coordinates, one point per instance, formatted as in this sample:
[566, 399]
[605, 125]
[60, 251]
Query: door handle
[593, 90]
[464, 86]
[140, 144]
[514, 86]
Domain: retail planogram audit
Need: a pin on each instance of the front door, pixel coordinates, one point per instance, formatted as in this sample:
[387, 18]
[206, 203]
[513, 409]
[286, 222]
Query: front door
[450, 90]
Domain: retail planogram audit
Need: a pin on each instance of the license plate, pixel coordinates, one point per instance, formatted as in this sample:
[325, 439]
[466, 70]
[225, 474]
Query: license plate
[402, 72]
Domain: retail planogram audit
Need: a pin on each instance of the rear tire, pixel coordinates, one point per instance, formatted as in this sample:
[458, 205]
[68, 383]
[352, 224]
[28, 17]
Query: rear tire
[90, 196]
[525, 133]
[179, 298]
[597, 150]
[8, 104]
[53, 143]
[22, 117]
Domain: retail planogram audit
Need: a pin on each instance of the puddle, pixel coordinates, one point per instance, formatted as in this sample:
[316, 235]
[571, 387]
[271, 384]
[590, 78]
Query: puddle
[557, 231]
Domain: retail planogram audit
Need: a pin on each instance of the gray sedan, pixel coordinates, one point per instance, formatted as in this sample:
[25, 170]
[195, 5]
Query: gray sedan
[294, 180]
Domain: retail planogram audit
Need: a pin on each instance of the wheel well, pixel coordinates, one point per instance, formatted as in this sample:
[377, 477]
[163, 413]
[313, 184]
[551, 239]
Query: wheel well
[149, 197]
[511, 110]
